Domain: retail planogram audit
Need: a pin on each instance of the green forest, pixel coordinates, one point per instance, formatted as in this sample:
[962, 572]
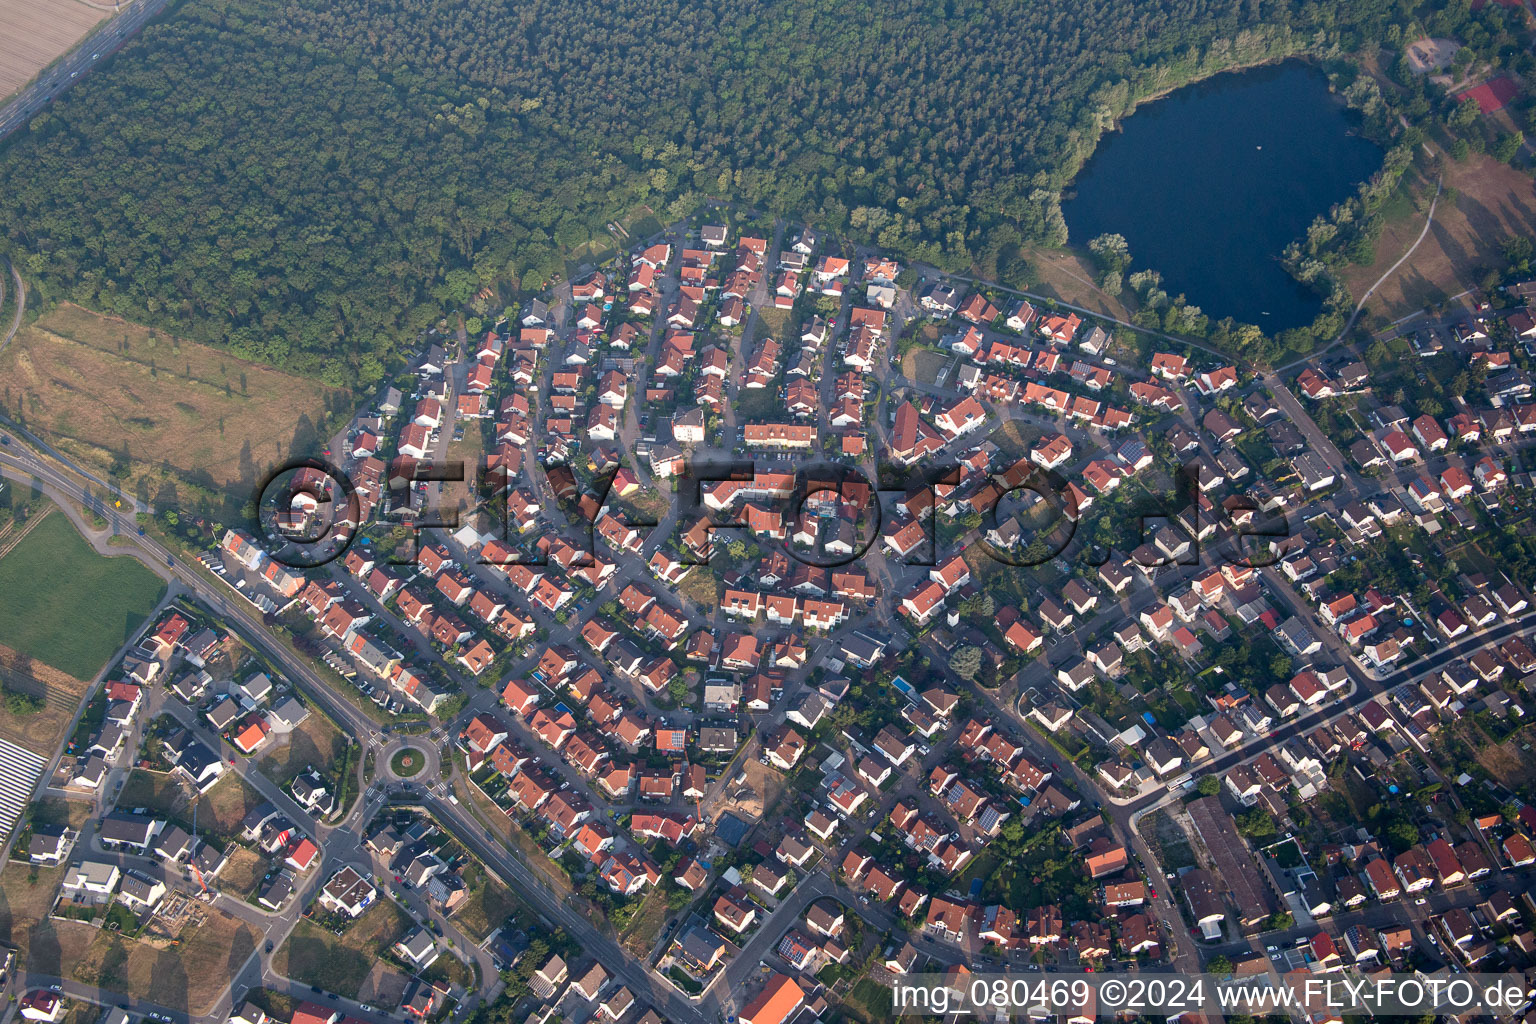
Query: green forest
[307, 184]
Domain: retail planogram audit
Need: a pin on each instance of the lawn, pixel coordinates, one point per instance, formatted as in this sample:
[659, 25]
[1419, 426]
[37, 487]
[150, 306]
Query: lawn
[67, 606]
[868, 1001]
[339, 963]
[107, 390]
[406, 763]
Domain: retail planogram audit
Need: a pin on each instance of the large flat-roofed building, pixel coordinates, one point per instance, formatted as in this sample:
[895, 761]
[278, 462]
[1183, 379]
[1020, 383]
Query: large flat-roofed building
[1251, 896]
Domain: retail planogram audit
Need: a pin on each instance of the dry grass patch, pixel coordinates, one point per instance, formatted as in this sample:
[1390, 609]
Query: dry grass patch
[1508, 763]
[187, 976]
[700, 587]
[1070, 278]
[42, 731]
[315, 743]
[116, 389]
[645, 926]
[52, 810]
[26, 895]
[243, 872]
[58, 947]
[1494, 202]
[38, 32]
[507, 830]
[488, 905]
[774, 321]
[219, 811]
[1016, 437]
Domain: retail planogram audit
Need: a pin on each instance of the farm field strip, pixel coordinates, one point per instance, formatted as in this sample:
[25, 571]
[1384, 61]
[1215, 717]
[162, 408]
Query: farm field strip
[36, 33]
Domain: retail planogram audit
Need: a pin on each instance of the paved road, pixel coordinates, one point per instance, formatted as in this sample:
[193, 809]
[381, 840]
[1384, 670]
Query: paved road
[471, 833]
[89, 53]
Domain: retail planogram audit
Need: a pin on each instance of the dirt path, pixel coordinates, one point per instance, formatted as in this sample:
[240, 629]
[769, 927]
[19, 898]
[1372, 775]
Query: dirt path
[20, 287]
[1429, 220]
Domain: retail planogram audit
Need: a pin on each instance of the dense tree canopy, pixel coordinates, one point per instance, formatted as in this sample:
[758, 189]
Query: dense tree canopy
[305, 183]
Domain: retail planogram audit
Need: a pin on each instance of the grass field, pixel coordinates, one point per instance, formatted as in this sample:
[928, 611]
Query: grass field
[38, 32]
[67, 606]
[339, 963]
[106, 389]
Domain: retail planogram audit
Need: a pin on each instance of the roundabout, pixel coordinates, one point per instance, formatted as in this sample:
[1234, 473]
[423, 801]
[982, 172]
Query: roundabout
[407, 762]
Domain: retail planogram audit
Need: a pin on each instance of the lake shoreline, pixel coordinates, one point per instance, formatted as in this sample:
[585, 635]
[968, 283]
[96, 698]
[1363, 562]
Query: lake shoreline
[1280, 146]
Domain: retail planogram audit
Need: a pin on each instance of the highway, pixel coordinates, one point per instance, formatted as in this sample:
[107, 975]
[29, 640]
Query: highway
[89, 53]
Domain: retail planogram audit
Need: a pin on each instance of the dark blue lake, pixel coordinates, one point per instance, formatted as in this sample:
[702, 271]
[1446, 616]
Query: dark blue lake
[1211, 183]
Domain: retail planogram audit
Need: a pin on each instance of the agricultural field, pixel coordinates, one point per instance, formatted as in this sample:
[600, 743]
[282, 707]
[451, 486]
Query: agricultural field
[108, 391]
[340, 963]
[67, 606]
[38, 32]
